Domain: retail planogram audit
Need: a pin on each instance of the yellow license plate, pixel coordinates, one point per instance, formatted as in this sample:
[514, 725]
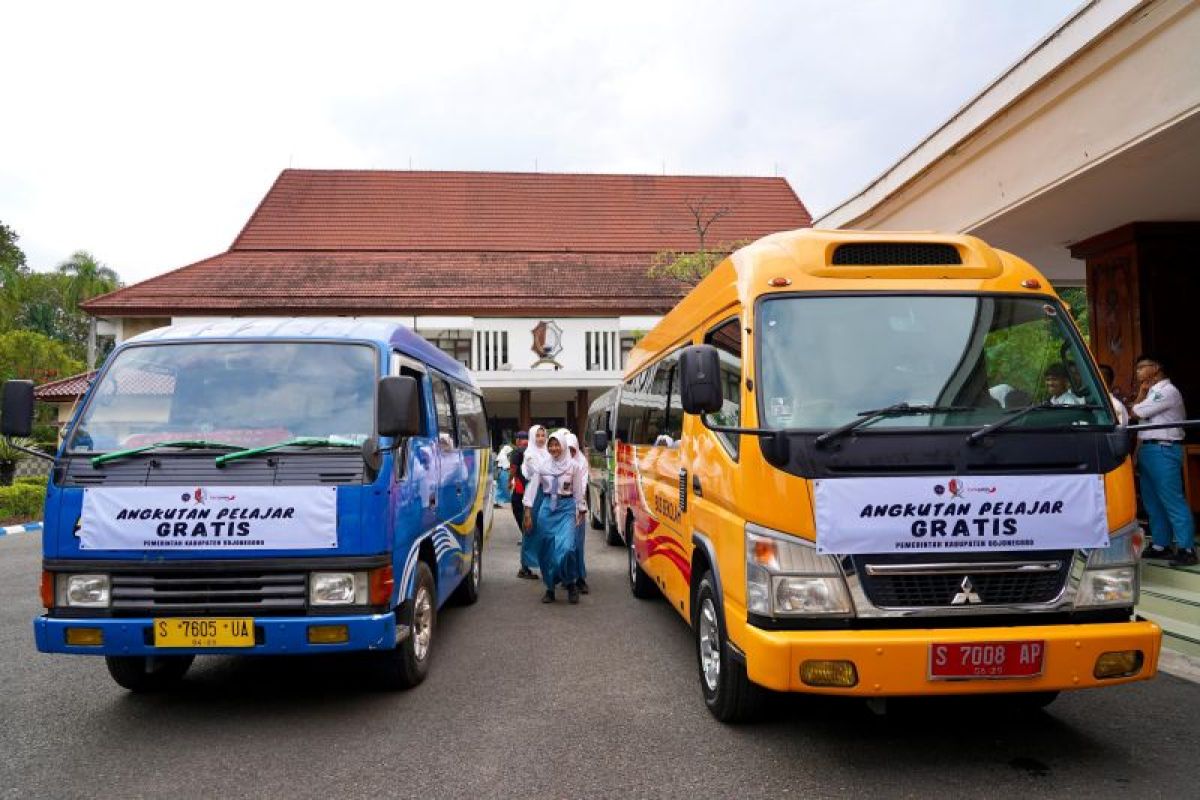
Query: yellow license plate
[210, 632]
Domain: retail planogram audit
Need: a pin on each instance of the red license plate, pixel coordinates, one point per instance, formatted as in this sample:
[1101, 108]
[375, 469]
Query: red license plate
[986, 660]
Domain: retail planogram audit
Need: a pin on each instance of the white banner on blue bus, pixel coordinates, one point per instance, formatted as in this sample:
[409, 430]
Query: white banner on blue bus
[178, 518]
[960, 515]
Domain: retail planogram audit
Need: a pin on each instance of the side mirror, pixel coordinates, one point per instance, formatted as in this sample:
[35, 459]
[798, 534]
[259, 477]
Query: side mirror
[398, 406]
[16, 414]
[700, 379]
[599, 441]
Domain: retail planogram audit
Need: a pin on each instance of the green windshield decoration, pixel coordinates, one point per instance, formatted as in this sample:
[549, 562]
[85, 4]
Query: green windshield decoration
[296, 441]
[190, 444]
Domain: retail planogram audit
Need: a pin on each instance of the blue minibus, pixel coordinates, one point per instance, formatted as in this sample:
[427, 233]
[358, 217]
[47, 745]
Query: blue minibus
[263, 487]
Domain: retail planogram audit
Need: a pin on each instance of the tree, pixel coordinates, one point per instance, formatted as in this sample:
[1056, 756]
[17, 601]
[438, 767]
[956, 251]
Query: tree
[36, 357]
[86, 278]
[12, 268]
[691, 267]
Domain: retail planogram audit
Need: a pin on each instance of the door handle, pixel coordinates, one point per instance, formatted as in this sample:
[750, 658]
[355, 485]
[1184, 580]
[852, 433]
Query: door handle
[696, 490]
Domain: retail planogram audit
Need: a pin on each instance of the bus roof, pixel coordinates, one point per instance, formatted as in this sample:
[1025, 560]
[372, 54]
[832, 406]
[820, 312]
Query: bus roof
[812, 260]
[381, 332]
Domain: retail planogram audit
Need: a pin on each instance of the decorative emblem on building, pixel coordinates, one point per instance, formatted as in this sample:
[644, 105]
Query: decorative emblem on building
[547, 343]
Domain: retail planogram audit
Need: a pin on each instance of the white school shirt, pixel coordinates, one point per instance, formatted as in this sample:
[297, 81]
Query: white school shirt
[1163, 403]
[1067, 398]
[1119, 408]
[570, 487]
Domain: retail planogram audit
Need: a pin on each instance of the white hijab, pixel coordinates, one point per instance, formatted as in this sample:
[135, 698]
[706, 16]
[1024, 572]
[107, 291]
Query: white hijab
[553, 467]
[573, 441]
[533, 453]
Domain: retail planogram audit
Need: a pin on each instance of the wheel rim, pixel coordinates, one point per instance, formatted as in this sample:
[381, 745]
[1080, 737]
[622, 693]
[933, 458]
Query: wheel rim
[710, 645]
[422, 624]
[476, 558]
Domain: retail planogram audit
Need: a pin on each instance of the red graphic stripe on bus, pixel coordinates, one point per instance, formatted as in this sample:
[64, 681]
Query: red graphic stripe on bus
[681, 564]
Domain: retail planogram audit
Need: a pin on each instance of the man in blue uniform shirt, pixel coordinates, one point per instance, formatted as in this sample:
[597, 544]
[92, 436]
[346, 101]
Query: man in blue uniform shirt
[1160, 465]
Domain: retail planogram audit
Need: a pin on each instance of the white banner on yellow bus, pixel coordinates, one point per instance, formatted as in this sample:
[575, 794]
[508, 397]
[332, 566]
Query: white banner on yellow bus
[179, 518]
[960, 515]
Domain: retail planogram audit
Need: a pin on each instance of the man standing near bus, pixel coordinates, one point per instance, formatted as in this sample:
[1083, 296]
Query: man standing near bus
[1160, 464]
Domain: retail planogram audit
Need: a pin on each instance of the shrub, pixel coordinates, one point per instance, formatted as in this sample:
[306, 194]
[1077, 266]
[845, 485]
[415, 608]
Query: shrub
[31, 480]
[22, 501]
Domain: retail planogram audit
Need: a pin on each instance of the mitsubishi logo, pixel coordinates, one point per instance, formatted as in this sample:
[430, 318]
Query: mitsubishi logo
[966, 594]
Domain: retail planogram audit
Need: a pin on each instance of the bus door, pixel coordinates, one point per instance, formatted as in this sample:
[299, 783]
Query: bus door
[711, 459]
[662, 476]
[452, 487]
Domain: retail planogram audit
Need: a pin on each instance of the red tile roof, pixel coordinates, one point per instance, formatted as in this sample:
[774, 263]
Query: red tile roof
[65, 390]
[364, 242]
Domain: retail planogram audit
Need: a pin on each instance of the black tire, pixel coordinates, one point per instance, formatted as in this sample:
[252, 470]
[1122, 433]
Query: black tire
[147, 674]
[639, 582]
[612, 535]
[407, 665]
[728, 693]
[467, 592]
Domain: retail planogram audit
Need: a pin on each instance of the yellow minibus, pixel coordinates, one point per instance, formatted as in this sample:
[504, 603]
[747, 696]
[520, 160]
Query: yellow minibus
[880, 465]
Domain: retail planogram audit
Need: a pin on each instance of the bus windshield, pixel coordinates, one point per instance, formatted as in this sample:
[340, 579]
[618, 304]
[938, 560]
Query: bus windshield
[825, 360]
[240, 393]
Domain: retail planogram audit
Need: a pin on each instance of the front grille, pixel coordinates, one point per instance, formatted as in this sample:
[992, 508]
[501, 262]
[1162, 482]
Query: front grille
[895, 254]
[177, 592]
[1012, 588]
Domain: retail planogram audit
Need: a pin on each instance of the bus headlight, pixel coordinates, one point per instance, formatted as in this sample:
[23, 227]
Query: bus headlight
[1109, 576]
[785, 576]
[84, 591]
[338, 589]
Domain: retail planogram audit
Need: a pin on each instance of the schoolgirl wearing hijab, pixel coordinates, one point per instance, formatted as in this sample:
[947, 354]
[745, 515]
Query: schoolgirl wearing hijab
[535, 453]
[561, 508]
[581, 477]
[503, 486]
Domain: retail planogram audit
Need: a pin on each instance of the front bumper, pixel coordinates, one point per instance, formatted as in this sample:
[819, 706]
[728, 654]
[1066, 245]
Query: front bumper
[896, 662]
[274, 636]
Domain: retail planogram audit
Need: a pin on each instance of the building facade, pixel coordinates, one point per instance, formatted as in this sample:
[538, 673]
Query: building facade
[538, 282]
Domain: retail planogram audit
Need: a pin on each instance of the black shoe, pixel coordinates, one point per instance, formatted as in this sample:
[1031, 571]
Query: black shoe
[572, 594]
[582, 586]
[1154, 551]
[1185, 558]
[548, 597]
[527, 574]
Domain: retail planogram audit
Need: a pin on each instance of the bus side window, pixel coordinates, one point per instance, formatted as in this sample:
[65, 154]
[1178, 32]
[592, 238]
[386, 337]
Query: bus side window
[727, 338]
[447, 436]
[472, 420]
[400, 365]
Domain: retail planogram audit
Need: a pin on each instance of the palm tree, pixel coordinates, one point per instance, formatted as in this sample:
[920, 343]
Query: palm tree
[87, 277]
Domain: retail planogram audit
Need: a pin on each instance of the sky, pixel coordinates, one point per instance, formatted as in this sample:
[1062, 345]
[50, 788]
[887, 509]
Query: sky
[146, 133]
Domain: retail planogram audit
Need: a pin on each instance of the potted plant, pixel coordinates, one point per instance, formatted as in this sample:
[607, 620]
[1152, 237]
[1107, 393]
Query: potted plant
[10, 455]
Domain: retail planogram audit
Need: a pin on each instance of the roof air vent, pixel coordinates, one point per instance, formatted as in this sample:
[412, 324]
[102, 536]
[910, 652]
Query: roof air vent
[895, 254]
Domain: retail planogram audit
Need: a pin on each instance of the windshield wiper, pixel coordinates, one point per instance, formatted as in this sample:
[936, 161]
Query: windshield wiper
[296, 441]
[1019, 413]
[186, 444]
[898, 410]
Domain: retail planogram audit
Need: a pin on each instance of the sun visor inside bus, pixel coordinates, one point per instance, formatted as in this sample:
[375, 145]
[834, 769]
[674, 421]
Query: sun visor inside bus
[908, 259]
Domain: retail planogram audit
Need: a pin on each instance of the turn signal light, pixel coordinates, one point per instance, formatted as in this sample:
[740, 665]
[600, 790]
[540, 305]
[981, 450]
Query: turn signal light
[383, 580]
[1119, 664]
[88, 637]
[829, 673]
[328, 634]
[47, 589]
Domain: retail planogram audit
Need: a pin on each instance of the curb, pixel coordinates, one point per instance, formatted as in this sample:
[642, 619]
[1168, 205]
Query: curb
[1180, 665]
[28, 527]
